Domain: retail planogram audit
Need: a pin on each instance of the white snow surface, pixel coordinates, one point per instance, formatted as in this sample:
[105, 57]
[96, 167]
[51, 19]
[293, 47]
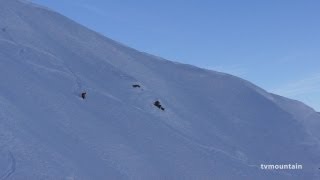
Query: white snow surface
[215, 126]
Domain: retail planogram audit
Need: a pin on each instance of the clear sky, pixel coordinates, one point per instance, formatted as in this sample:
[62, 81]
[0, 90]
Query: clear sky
[273, 43]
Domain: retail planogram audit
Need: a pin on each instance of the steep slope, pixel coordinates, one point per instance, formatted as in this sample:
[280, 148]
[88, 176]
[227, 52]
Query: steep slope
[306, 115]
[215, 126]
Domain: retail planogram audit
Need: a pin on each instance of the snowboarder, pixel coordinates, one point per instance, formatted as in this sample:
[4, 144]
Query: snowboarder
[83, 95]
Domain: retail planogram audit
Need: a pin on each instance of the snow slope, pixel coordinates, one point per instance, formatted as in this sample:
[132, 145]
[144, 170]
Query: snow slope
[215, 126]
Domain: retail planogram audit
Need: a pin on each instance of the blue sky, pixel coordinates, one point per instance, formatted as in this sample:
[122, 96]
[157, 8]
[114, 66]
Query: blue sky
[274, 44]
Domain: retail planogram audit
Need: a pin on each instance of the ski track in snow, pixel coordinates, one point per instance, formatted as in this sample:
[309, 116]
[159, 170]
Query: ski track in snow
[11, 168]
[78, 84]
[8, 41]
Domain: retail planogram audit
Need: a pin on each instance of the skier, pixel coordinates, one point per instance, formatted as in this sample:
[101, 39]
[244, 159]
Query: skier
[136, 86]
[83, 95]
[157, 104]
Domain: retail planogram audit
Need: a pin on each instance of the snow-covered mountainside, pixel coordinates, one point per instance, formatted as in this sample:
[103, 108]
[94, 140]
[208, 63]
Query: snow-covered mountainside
[213, 126]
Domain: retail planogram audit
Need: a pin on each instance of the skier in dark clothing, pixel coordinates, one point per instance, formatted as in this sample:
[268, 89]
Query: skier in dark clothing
[157, 104]
[83, 95]
[136, 86]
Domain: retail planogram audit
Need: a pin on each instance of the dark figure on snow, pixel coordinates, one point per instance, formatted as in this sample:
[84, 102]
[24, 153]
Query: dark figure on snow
[136, 86]
[157, 104]
[83, 95]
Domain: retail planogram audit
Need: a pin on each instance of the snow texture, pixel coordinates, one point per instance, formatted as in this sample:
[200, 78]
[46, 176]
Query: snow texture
[215, 126]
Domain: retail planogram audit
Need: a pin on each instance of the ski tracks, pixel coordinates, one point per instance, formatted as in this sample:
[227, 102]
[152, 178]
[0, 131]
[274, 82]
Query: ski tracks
[11, 167]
